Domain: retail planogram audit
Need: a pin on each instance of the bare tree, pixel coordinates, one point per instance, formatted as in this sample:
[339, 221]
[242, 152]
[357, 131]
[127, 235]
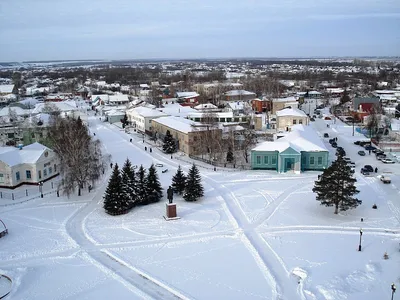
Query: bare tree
[373, 121]
[248, 141]
[80, 157]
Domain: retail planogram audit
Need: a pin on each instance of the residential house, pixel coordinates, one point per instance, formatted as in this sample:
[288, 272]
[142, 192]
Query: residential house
[187, 133]
[300, 150]
[364, 106]
[27, 165]
[239, 95]
[118, 99]
[141, 117]
[260, 106]
[281, 103]
[188, 98]
[8, 93]
[288, 117]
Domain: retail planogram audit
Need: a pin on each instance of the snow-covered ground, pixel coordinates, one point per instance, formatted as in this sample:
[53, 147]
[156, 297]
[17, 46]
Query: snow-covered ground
[254, 235]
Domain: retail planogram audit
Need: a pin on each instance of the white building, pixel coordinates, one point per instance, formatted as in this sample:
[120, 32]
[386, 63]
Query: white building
[140, 118]
[27, 165]
[288, 117]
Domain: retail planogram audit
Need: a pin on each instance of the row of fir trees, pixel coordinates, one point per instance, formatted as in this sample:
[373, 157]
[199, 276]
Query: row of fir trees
[127, 188]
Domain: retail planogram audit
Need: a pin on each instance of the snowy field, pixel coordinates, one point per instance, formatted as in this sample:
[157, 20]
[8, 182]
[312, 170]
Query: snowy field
[254, 235]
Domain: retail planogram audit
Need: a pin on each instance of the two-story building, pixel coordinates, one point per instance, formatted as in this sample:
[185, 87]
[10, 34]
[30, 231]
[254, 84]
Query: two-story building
[281, 103]
[141, 117]
[288, 117]
[186, 132]
[239, 95]
[27, 165]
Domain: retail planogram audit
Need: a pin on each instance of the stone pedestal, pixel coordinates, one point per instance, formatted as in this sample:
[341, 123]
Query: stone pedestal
[170, 213]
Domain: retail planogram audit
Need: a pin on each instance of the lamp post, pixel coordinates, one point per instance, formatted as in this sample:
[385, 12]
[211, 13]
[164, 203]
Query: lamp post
[359, 246]
[41, 189]
[393, 289]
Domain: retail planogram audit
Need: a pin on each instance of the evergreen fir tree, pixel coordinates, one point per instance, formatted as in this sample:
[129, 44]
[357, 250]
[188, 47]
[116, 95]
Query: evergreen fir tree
[114, 200]
[153, 186]
[141, 185]
[179, 181]
[194, 189]
[336, 186]
[169, 145]
[129, 183]
[229, 155]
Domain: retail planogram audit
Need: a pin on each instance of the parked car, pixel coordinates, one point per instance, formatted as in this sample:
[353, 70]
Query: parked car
[376, 150]
[340, 151]
[385, 179]
[334, 145]
[369, 147]
[361, 153]
[381, 156]
[159, 165]
[365, 173]
[388, 161]
[368, 168]
[326, 135]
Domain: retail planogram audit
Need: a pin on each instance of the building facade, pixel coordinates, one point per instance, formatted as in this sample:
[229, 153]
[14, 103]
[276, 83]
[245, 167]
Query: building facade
[141, 117]
[289, 117]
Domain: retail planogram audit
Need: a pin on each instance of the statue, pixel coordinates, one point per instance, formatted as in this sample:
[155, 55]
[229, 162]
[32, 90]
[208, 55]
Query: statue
[170, 194]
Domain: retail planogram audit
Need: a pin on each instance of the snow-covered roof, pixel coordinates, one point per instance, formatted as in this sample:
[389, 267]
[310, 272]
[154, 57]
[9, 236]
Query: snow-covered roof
[177, 110]
[225, 114]
[179, 124]
[5, 111]
[236, 105]
[119, 98]
[147, 112]
[6, 88]
[238, 93]
[62, 106]
[187, 94]
[301, 138]
[205, 106]
[27, 155]
[103, 97]
[290, 112]
[286, 99]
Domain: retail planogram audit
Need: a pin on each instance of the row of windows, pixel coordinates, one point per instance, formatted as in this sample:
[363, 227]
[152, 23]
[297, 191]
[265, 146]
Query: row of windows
[272, 160]
[28, 173]
[266, 160]
[295, 121]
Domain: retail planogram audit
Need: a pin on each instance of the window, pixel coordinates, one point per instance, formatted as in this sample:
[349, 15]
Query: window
[273, 160]
[266, 160]
[294, 122]
[28, 174]
[17, 176]
[300, 121]
[40, 174]
[50, 170]
[311, 160]
[258, 160]
[320, 160]
[44, 172]
[55, 168]
[1, 178]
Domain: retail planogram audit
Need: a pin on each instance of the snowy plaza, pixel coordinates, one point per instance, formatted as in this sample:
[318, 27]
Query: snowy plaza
[254, 235]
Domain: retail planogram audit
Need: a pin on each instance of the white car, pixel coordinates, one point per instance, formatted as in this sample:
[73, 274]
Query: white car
[388, 161]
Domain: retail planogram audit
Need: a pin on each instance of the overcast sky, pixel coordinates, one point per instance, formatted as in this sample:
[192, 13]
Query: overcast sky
[136, 29]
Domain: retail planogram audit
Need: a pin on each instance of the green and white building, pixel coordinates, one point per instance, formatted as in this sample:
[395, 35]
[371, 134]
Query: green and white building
[300, 150]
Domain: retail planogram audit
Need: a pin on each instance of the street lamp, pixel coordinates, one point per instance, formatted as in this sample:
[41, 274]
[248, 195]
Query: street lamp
[393, 289]
[41, 189]
[359, 246]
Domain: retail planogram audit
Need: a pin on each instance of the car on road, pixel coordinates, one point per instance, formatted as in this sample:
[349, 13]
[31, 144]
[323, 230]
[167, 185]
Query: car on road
[366, 173]
[326, 135]
[380, 156]
[388, 161]
[361, 153]
[159, 165]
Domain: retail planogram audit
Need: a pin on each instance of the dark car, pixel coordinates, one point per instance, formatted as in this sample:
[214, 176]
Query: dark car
[326, 135]
[334, 145]
[376, 150]
[381, 156]
[367, 168]
[369, 147]
[362, 153]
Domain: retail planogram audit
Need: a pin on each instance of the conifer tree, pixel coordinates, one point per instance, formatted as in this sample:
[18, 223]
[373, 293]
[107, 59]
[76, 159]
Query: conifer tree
[336, 186]
[153, 186]
[179, 181]
[129, 183]
[141, 185]
[229, 155]
[169, 145]
[114, 201]
[194, 189]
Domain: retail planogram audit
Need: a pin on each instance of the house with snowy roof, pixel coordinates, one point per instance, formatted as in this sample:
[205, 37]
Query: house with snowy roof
[300, 150]
[188, 98]
[239, 95]
[27, 165]
[140, 117]
[286, 118]
[187, 133]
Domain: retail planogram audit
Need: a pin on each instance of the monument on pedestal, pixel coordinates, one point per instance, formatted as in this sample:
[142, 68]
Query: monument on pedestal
[170, 207]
